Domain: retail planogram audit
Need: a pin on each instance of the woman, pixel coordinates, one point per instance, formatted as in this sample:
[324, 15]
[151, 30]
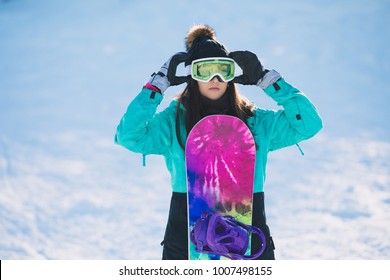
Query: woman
[211, 90]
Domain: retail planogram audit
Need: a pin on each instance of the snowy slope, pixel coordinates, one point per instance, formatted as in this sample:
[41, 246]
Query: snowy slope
[68, 69]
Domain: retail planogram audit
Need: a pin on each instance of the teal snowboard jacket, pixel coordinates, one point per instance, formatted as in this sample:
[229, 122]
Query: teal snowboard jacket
[144, 131]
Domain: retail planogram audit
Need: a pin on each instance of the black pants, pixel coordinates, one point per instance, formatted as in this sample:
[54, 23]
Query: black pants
[176, 234]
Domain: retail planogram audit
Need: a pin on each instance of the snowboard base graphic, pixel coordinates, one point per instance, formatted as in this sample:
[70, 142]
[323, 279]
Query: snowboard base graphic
[220, 160]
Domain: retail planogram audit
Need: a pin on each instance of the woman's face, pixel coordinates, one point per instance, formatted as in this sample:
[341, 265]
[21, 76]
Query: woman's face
[214, 89]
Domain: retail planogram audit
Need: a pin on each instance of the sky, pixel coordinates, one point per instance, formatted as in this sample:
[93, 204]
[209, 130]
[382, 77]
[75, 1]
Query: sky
[68, 70]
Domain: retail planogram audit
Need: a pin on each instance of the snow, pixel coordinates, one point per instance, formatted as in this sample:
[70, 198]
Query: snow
[68, 70]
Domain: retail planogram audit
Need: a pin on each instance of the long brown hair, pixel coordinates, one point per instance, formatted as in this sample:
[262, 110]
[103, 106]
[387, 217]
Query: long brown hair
[190, 99]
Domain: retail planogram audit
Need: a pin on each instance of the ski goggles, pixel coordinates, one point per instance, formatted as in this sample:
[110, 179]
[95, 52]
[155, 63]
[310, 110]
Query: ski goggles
[205, 69]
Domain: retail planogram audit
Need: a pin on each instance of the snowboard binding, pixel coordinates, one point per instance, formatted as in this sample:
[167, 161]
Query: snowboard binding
[225, 236]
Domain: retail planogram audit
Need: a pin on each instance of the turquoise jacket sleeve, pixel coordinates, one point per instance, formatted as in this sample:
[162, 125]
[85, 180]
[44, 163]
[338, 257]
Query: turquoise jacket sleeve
[299, 119]
[141, 130]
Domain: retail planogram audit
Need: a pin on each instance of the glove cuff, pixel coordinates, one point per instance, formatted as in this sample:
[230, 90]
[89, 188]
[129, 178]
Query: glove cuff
[159, 81]
[151, 87]
[268, 79]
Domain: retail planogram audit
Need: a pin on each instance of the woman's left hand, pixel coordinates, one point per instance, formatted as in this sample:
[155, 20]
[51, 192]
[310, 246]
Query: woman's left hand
[253, 70]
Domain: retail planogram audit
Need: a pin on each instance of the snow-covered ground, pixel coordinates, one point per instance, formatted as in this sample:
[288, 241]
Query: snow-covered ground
[68, 70]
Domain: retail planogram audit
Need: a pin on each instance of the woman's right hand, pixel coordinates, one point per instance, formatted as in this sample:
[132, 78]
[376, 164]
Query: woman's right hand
[166, 77]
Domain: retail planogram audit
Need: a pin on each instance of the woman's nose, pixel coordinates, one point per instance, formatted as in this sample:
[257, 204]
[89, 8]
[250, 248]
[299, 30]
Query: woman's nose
[218, 79]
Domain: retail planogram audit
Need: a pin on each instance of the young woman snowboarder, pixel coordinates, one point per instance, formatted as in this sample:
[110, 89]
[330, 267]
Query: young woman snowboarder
[211, 90]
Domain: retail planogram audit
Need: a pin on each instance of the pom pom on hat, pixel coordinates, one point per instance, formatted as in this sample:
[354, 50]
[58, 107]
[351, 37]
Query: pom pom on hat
[198, 31]
[201, 42]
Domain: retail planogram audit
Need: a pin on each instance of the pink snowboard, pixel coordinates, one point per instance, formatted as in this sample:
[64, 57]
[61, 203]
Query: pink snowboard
[220, 158]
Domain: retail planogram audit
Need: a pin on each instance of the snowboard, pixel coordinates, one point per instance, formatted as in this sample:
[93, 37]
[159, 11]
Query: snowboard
[220, 160]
